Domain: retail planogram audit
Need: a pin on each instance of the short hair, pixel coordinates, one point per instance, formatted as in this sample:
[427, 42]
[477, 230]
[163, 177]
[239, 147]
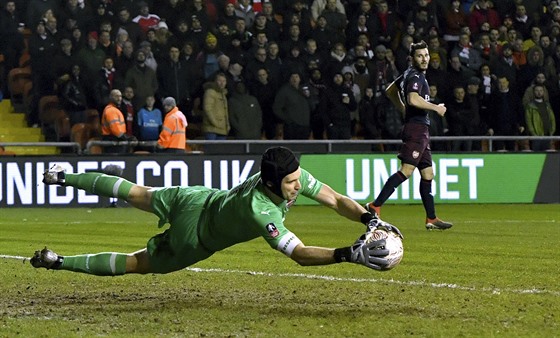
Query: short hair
[416, 46]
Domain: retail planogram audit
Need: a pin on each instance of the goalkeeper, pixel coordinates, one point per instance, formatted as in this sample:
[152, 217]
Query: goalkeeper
[204, 221]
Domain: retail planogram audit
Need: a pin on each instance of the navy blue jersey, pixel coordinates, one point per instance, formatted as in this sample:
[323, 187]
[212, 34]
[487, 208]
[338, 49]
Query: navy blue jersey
[415, 81]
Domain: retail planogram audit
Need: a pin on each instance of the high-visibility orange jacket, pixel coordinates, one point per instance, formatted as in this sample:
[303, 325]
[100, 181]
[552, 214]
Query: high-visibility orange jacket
[173, 131]
[112, 121]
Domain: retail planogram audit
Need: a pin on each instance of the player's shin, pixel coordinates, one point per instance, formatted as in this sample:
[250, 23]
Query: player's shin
[100, 184]
[102, 264]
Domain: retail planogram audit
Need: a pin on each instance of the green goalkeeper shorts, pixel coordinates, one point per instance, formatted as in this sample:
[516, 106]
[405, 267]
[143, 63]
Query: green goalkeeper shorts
[179, 246]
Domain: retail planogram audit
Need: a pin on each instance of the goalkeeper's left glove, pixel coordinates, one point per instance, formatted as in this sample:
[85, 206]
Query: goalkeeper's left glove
[373, 222]
[369, 254]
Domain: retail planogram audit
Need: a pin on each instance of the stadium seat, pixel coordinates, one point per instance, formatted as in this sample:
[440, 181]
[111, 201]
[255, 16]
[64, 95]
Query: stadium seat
[25, 59]
[80, 133]
[48, 107]
[62, 129]
[17, 78]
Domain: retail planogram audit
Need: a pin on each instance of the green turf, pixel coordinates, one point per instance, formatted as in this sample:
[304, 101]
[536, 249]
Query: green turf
[495, 274]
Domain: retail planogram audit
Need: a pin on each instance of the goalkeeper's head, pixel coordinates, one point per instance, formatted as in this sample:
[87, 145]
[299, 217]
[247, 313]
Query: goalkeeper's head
[277, 163]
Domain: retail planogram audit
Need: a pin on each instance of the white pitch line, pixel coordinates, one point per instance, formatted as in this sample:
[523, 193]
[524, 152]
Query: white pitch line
[494, 291]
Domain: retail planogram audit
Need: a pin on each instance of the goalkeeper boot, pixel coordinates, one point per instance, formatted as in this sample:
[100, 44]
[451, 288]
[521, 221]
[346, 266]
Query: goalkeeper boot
[55, 175]
[373, 209]
[437, 224]
[46, 259]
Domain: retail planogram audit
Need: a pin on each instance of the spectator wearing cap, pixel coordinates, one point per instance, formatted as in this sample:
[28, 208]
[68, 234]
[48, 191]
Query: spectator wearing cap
[208, 57]
[142, 79]
[162, 42]
[145, 19]
[292, 107]
[245, 115]
[435, 47]
[436, 75]
[91, 56]
[172, 138]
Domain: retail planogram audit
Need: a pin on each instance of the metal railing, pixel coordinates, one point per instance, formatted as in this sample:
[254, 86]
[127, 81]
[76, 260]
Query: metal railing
[259, 146]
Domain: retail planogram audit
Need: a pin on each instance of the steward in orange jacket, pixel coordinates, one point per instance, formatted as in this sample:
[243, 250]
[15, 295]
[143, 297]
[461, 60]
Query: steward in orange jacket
[113, 125]
[172, 138]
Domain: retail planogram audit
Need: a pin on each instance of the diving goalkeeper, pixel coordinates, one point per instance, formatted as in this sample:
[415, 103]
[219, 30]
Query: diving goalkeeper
[204, 220]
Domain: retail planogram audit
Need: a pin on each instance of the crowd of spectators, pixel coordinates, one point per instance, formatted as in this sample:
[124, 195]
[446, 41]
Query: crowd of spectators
[296, 69]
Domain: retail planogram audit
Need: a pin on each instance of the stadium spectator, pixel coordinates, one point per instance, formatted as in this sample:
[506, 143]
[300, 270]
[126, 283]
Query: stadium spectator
[129, 111]
[146, 20]
[455, 18]
[415, 151]
[215, 121]
[369, 120]
[528, 95]
[36, 9]
[438, 124]
[13, 44]
[521, 21]
[292, 107]
[113, 125]
[483, 12]
[469, 57]
[506, 115]
[223, 218]
[336, 18]
[539, 118]
[149, 121]
[245, 11]
[318, 6]
[389, 23]
[245, 115]
[142, 79]
[125, 23]
[264, 90]
[172, 138]
[462, 118]
[173, 80]
[73, 96]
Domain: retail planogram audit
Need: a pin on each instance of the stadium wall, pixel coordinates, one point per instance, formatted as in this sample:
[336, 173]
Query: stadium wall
[460, 178]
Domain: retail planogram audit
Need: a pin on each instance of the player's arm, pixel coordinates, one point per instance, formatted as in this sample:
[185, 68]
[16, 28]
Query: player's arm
[414, 99]
[312, 255]
[392, 92]
[343, 205]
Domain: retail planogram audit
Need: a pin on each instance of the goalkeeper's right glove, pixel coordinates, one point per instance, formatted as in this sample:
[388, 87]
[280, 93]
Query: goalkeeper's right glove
[369, 254]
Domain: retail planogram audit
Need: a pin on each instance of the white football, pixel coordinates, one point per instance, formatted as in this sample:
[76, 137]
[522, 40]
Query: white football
[393, 243]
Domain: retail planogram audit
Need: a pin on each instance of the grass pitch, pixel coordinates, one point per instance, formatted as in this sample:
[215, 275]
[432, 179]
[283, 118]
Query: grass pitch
[495, 274]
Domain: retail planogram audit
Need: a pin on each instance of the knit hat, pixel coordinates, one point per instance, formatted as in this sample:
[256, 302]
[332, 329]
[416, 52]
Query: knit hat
[93, 35]
[211, 38]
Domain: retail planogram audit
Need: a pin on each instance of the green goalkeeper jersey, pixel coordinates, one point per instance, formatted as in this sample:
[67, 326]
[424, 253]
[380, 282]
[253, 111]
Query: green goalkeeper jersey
[245, 212]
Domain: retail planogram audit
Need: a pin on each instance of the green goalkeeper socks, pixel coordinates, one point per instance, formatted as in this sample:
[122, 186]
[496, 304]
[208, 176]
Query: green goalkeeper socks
[102, 264]
[100, 184]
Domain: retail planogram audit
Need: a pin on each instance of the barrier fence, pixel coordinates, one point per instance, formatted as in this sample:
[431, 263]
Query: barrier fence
[309, 146]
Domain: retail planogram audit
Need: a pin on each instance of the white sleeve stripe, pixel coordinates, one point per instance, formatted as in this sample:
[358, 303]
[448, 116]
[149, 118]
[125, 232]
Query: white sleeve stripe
[288, 243]
[112, 263]
[116, 187]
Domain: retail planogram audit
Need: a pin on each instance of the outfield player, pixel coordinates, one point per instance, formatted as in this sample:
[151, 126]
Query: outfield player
[415, 150]
[204, 221]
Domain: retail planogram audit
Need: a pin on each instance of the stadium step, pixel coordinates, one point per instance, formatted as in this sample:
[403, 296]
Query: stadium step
[14, 129]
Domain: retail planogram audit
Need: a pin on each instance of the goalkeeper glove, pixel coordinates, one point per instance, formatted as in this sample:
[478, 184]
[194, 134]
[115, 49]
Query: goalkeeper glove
[373, 222]
[369, 254]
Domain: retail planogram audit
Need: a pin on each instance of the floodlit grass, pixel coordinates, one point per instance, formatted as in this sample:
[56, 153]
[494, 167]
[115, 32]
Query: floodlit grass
[495, 274]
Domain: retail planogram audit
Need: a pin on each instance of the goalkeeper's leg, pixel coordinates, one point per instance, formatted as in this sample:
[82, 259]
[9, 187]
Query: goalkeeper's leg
[102, 185]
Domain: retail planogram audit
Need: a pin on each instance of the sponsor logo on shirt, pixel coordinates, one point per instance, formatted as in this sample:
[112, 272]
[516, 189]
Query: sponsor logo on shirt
[271, 228]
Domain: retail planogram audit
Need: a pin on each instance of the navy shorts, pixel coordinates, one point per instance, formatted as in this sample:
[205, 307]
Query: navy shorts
[415, 149]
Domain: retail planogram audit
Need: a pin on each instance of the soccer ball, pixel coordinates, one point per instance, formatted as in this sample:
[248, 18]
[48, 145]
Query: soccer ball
[393, 243]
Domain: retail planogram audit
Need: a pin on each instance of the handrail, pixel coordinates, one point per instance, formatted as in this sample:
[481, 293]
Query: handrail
[328, 143]
[75, 145]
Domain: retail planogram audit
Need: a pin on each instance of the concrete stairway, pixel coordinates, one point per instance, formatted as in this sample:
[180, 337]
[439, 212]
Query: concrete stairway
[13, 128]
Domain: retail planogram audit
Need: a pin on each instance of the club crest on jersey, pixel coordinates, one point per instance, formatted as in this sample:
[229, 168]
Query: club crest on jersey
[415, 154]
[271, 228]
